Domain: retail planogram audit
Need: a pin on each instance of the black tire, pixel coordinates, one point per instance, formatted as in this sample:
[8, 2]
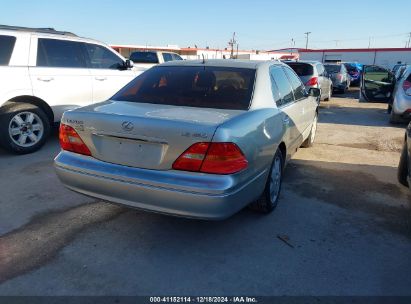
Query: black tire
[265, 204]
[394, 118]
[35, 139]
[309, 142]
[403, 170]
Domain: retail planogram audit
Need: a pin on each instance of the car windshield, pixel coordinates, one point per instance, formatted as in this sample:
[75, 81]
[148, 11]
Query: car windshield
[144, 57]
[332, 68]
[192, 86]
[302, 69]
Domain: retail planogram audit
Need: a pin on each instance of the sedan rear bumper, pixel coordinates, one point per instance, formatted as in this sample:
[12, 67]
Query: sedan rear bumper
[186, 194]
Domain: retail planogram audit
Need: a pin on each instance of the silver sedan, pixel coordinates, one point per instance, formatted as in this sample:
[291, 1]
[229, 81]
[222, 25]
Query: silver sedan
[198, 139]
[401, 104]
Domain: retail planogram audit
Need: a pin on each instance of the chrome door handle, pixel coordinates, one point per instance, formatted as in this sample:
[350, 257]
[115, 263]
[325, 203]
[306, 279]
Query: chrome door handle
[286, 120]
[100, 78]
[45, 79]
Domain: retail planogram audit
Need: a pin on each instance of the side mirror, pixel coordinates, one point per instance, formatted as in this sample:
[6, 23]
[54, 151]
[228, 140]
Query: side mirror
[314, 92]
[128, 64]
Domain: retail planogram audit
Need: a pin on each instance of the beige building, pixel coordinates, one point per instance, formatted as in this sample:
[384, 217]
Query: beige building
[191, 53]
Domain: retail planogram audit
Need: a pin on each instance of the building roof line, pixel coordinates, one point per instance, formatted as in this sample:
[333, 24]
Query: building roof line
[356, 50]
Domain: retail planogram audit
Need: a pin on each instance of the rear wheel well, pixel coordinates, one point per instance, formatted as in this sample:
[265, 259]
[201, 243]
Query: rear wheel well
[37, 102]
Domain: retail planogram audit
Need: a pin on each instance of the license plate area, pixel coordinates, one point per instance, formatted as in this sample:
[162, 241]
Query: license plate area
[129, 152]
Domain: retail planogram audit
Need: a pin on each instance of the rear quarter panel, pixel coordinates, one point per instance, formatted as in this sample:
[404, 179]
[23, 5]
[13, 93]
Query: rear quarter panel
[15, 81]
[258, 134]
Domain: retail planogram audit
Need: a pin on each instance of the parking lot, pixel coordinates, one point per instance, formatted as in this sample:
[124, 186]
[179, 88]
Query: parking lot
[342, 227]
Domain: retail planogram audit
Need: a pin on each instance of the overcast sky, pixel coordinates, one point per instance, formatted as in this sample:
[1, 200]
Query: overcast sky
[259, 24]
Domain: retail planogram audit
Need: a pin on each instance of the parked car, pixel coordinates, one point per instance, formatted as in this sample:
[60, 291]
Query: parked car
[354, 70]
[313, 75]
[148, 59]
[404, 167]
[43, 73]
[380, 84]
[398, 66]
[400, 109]
[399, 72]
[198, 139]
[339, 76]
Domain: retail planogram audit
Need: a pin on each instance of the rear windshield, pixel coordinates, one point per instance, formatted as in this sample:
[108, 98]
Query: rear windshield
[302, 69]
[192, 86]
[6, 48]
[144, 57]
[332, 68]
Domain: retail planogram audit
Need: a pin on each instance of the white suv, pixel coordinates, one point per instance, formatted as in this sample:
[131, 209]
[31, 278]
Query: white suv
[43, 73]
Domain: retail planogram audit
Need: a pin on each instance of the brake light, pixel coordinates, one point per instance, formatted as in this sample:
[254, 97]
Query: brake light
[312, 82]
[339, 77]
[406, 86]
[192, 158]
[71, 141]
[214, 158]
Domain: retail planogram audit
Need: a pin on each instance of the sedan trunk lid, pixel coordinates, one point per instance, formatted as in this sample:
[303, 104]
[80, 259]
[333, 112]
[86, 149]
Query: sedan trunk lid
[142, 135]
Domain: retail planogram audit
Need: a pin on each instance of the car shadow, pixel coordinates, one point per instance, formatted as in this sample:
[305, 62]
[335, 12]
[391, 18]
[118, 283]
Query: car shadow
[362, 116]
[352, 93]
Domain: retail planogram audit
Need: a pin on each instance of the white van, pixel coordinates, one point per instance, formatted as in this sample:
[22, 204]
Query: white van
[44, 72]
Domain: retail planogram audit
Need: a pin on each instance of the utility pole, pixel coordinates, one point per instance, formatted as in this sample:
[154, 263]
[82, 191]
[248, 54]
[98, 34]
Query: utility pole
[306, 39]
[292, 45]
[231, 43]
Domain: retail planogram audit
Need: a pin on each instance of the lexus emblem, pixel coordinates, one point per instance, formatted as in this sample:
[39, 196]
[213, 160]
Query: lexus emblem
[127, 126]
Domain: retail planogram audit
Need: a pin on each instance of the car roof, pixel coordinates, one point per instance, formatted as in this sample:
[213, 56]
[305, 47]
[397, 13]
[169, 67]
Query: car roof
[234, 63]
[46, 33]
[311, 62]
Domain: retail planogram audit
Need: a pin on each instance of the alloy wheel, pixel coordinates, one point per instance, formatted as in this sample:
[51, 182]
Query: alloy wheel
[26, 129]
[275, 181]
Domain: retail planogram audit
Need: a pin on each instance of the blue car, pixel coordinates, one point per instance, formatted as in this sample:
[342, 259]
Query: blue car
[354, 70]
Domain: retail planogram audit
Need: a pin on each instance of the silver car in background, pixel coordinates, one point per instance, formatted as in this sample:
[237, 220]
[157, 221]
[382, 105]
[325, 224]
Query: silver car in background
[313, 75]
[400, 109]
[339, 76]
[198, 139]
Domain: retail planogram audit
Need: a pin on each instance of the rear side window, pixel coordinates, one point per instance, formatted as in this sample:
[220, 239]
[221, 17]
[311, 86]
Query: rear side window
[60, 53]
[192, 86]
[282, 84]
[176, 57]
[144, 57]
[167, 57]
[6, 48]
[302, 69]
[320, 69]
[102, 58]
[298, 86]
[332, 68]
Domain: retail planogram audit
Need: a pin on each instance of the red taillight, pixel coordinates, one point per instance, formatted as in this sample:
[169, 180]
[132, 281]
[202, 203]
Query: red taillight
[406, 86]
[312, 82]
[192, 158]
[215, 158]
[71, 141]
[339, 77]
[224, 158]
